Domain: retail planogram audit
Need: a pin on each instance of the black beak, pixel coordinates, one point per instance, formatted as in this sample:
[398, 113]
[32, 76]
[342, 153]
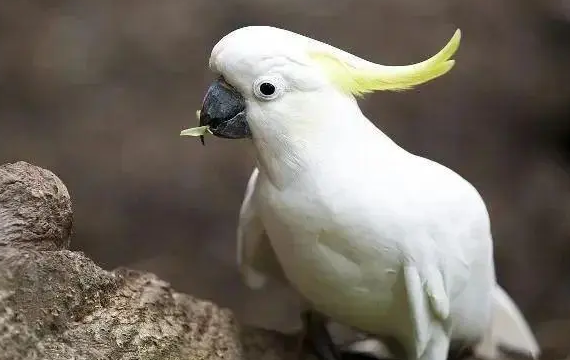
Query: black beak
[223, 111]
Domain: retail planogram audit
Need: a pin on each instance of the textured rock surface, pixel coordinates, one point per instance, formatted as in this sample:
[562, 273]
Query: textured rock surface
[35, 208]
[58, 304]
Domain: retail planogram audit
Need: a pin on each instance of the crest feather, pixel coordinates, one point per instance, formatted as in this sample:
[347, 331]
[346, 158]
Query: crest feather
[358, 77]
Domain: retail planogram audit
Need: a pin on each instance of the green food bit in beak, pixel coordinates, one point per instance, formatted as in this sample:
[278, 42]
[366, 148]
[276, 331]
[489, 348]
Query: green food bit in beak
[196, 131]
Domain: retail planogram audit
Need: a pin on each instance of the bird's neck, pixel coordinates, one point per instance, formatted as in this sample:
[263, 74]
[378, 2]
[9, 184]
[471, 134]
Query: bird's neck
[286, 148]
[280, 159]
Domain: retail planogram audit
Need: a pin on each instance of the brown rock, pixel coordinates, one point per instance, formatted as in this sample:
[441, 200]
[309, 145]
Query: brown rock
[35, 208]
[58, 304]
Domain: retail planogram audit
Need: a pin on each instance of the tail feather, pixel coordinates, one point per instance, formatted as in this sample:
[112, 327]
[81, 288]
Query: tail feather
[509, 329]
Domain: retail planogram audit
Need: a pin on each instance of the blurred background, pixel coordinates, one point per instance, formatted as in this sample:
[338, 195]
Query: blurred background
[98, 91]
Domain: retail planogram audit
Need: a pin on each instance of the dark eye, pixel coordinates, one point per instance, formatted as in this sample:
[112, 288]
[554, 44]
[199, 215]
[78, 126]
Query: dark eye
[267, 89]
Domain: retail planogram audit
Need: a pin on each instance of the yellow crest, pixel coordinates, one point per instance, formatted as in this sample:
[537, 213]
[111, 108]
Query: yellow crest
[357, 76]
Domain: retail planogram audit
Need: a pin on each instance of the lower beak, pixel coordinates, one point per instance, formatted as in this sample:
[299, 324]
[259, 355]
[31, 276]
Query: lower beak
[223, 111]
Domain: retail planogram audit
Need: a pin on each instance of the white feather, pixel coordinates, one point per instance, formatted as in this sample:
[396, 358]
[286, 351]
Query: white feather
[508, 329]
[250, 235]
[371, 235]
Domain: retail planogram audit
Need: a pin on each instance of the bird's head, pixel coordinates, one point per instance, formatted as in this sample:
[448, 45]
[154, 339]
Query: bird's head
[268, 76]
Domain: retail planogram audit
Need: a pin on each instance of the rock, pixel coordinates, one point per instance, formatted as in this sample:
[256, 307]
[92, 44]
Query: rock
[58, 304]
[35, 208]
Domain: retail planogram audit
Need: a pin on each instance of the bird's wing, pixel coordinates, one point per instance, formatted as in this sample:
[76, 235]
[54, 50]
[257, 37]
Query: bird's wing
[428, 303]
[428, 306]
[255, 257]
[508, 329]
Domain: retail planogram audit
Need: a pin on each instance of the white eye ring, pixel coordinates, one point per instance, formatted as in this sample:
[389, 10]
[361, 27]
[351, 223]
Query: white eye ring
[268, 87]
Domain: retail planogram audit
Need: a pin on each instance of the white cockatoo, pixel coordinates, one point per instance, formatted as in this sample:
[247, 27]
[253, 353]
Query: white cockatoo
[369, 235]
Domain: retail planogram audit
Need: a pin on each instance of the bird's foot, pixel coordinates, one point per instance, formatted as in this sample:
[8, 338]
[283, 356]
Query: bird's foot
[317, 337]
[301, 341]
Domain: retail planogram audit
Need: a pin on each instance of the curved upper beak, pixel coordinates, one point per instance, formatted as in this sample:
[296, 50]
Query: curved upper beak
[223, 111]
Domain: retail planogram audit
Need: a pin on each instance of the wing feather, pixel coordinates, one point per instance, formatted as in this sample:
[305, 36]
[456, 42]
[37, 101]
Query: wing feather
[256, 259]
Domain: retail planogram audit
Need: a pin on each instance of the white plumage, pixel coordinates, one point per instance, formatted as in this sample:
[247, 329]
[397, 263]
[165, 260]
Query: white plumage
[374, 237]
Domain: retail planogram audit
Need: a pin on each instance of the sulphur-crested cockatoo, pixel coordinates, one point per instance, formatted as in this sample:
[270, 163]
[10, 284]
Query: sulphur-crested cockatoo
[368, 234]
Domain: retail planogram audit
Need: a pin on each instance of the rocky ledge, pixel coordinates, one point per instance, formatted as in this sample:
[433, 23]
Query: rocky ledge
[58, 304]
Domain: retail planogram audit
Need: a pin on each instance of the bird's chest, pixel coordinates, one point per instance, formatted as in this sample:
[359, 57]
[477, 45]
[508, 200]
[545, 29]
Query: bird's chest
[340, 273]
[295, 222]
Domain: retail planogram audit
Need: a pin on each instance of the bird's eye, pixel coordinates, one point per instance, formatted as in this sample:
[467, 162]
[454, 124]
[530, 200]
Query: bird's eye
[268, 88]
